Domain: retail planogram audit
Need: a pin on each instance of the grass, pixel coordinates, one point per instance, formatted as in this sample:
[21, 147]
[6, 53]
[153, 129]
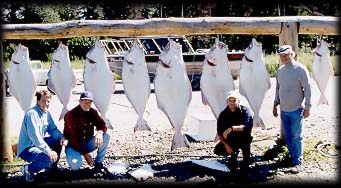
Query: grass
[272, 62]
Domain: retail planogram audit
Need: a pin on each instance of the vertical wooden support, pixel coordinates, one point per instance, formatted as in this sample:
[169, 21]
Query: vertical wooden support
[289, 35]
[5, 142]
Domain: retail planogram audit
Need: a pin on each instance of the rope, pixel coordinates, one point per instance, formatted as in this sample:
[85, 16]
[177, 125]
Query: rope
[323, 145]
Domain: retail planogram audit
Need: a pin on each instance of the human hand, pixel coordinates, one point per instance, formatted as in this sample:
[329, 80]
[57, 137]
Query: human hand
[63, 141]
[89, 159]
[274, 111]
[306, 113]
[53, 156]
[99, 139]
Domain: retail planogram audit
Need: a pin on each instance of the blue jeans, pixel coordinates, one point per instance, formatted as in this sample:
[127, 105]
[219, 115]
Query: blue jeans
[40, 160]
[292, 129]
[74, 158]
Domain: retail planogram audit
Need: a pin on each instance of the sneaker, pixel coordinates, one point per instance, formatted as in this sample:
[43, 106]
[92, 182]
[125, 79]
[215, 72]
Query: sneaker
[100, 168]
[27, 174]
[295, 169]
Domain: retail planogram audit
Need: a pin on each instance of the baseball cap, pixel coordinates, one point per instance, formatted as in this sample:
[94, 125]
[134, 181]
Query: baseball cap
[232, 94]
[285, 49]
[86, 95]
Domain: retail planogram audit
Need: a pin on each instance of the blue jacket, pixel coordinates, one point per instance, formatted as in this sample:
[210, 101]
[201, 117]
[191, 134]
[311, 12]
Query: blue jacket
[34, 128]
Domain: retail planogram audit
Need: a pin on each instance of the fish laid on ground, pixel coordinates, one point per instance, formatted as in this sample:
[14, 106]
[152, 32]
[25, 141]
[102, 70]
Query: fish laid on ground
[173, 90]
[143, 173]
[136, 83]
[22, 83]
[216, 79]
[98, 79]
[62, 76]
[212, 164]
[254, 80]
[322, 70]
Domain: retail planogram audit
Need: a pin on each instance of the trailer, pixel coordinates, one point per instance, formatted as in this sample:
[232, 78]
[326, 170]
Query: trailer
[153, 46]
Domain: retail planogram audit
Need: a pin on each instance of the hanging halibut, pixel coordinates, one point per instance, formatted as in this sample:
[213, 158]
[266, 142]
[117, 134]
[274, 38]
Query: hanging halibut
[136, 83]
[98, 79]
[322, 70]
[173, 90]
[22, 83]
[62, 76]
[216, 79]
[254, 79]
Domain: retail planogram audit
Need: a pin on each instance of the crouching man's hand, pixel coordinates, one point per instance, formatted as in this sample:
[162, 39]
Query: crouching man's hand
[89, 159]
[99, 139]
[63, 141]
[228, 149]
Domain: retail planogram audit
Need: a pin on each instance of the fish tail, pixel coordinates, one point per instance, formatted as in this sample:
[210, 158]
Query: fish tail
[141, 125]
[179, 140]
[323, 100]
[64, 111]
[258, 122]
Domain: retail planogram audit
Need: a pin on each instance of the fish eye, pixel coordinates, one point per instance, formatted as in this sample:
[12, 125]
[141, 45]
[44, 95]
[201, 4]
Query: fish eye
[91, 61]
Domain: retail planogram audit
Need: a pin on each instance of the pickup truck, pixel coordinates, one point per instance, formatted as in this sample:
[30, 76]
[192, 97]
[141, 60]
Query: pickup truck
[41, 74]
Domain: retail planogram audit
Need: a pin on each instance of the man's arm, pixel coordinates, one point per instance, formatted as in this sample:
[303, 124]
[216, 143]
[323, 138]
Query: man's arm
[305, 83]
[32, 125]
[52, 128]
[277, 101]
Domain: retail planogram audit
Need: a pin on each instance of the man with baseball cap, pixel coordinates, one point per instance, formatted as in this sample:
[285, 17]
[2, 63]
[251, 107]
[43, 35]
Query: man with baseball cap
[79, 130]
[292, 86]
[234, 127]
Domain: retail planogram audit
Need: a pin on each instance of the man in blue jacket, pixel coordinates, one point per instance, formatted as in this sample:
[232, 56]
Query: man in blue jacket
[34, 147]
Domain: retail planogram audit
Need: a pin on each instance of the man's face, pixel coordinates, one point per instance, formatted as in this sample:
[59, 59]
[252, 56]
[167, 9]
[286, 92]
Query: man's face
[232, 103]
[285, 58]
[44, 103]
[85, 104]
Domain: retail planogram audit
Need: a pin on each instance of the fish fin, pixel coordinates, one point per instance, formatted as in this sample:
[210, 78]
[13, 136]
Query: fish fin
[179, 140]
[74, 80]
[216, 138]
[268, 82]
[64, 111]
[203, 98]
[141, 125]
[50, 85]
[258, 122]
[323, 100]
[108, 123]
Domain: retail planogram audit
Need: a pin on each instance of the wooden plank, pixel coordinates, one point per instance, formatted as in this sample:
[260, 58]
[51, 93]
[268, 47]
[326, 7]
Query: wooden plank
[170, 26]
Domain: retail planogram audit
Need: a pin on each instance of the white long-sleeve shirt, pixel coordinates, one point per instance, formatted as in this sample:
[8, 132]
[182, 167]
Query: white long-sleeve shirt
[292, 86]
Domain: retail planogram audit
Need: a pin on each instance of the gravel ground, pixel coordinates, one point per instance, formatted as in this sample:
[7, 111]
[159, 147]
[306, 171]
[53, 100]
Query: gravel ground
[174, 168]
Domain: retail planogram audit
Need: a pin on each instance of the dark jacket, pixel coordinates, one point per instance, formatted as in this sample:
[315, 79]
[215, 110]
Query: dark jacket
[79, 126]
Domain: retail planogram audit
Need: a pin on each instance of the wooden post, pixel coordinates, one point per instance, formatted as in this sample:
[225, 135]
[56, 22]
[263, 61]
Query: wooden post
[5, 142]
[288, 35]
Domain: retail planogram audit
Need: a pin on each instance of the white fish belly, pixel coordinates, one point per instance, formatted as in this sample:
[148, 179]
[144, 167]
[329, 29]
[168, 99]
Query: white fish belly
[22, 86]
[137, 88]
[321, 73]
[253, 85]
[62, 81]
[101, 85]
[215, 90]
[173, 96]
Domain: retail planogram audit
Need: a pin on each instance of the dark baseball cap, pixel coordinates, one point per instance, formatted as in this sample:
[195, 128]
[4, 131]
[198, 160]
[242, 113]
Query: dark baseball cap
[87, 95]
